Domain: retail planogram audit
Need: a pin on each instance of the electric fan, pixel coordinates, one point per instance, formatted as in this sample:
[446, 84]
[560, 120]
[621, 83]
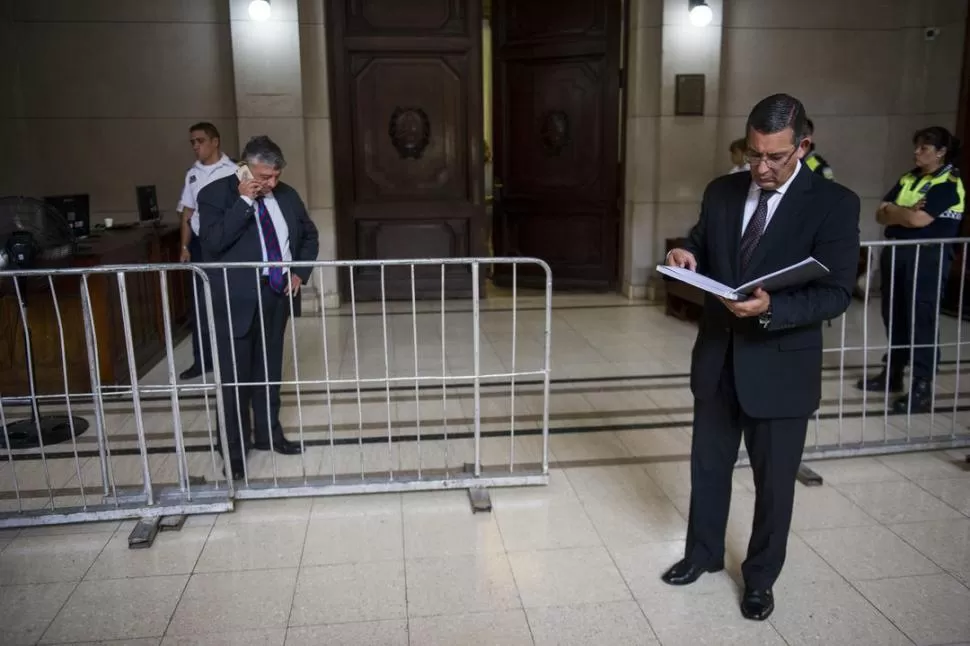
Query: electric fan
[34, 235]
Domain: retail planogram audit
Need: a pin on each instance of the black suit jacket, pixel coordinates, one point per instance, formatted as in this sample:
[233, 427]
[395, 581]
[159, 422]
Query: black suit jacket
[229, 232]
[777, 369]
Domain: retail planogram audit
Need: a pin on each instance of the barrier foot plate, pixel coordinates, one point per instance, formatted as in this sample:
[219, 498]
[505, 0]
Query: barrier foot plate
[144, 533]
[808, 477]
[480, 499]
[171, 523]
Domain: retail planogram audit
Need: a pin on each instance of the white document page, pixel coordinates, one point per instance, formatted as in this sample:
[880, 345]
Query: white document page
[699, 281]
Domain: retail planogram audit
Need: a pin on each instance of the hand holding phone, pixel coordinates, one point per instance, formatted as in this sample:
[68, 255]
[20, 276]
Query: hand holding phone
[248, 185]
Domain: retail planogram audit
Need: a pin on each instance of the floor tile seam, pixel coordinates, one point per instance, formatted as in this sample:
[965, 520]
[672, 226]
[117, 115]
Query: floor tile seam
[515, 581]
[956, 479]
[262, 522]
[404, 568]
[611, 554]
[296, 582]
[923, 554]
[195, 565]
[629, 589]
[77, 585]
[856, 589]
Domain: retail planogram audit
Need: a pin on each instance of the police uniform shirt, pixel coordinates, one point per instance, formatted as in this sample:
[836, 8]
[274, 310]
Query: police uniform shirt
[817, 164]
[198, 177]
[944, 199]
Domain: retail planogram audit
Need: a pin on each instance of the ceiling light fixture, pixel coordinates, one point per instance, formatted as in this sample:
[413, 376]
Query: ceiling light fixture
[700, 13]
[259, 10]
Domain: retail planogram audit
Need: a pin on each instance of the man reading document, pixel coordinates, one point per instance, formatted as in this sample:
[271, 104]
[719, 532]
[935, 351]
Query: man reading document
[757, 363]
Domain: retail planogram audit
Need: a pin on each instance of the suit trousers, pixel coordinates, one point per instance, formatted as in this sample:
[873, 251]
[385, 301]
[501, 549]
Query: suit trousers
[244, 361]
[775, 448]
[201, 345]
[913, 284]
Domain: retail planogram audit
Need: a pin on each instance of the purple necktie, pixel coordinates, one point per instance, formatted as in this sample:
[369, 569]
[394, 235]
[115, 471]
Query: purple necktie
[273, 252]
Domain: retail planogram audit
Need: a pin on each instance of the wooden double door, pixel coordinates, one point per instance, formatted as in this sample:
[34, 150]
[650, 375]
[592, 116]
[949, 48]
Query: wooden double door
[407, 91]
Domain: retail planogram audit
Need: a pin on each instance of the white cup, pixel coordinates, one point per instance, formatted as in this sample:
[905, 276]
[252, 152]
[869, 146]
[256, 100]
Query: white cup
[108, 223]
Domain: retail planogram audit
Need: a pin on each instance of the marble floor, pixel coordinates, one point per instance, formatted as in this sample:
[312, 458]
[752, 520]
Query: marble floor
[880, 554]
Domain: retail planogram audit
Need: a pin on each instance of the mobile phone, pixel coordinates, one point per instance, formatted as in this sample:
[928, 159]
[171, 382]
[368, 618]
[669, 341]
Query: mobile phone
[244, 174]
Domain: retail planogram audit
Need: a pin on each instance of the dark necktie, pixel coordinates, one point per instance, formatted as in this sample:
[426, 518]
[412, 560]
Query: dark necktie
[755, 229]
[273, 251]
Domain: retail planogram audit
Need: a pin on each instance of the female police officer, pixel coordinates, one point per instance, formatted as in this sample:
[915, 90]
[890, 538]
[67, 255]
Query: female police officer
[926, 203]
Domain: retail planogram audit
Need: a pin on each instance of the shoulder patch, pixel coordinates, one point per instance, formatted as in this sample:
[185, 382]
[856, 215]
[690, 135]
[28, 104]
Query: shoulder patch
[192, 179]
[827, 173]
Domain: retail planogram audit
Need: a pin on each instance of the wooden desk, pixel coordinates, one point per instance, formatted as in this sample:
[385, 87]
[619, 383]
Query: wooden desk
[142, 245]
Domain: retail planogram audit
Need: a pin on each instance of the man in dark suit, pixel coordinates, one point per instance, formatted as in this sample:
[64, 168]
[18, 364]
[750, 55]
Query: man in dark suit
[257, 219]
[756, 365]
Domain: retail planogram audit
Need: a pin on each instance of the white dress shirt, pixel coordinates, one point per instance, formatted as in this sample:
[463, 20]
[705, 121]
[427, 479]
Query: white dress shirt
[198, 177]
[754, 192]
[279, 223]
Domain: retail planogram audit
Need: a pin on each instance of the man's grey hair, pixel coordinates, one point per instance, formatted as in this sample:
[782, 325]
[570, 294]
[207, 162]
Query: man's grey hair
[263, 150]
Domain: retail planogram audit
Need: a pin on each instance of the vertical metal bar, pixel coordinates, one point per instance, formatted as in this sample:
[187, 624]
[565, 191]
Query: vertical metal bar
[135, 389]
[360, 409]
[387, 379]
[217, 373]
[444, 377]
[865, 346]
[13, 466]
[546, 369]
[296, 377]
[889, 343]
[515, 333]
[326, 376]
[67, 390]
[194, 279]
[183, 476]
[35, 410]
[91, 339]
[936, 337]
[226, 454]
[844, 317]
[956, 384]
[912, 347]
[477, 350]
[417, 394]
[269, 405]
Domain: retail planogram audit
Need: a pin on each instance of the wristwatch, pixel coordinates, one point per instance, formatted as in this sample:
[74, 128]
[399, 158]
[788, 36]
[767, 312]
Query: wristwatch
[765, 318]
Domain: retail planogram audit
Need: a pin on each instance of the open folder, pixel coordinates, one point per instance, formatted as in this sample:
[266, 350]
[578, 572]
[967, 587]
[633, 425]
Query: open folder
[798, 274]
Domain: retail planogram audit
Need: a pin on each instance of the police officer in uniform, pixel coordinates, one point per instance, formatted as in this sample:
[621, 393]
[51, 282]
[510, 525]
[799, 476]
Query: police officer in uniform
[815, 162]
[927, 202]
[210, 164]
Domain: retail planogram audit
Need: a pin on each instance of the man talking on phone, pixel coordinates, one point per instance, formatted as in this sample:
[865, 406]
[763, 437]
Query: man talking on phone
[756, 368]
[254, 217]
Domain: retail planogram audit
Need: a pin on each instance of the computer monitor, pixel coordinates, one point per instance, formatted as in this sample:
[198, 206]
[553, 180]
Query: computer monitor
[76, 209]
[147, 204]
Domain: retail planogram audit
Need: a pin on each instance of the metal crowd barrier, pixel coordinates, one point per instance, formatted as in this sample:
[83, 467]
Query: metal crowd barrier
[853, 422]
[387, 397]
[925, 265]
[122, 468]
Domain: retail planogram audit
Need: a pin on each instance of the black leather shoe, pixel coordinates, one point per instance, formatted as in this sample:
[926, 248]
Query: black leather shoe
[192, 373]
[684, 573]
[236, 466]
[877, 384]
[919, 399]
[281, 445]
[757, 605]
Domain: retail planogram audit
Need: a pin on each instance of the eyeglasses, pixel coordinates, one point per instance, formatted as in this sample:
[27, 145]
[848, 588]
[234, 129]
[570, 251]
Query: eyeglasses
[774, 161]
